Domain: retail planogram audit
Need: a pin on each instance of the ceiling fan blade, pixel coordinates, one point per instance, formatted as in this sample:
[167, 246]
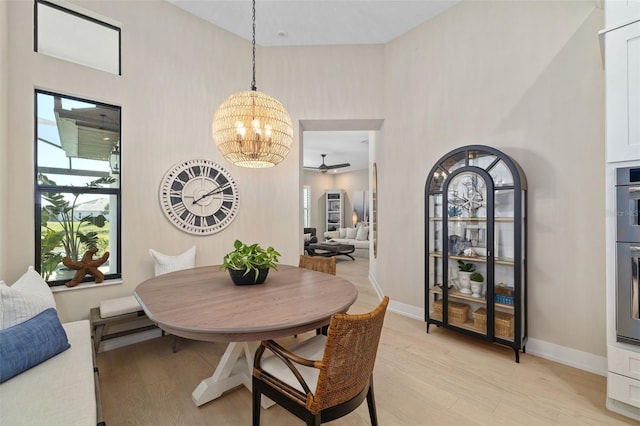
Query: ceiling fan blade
[337, 166]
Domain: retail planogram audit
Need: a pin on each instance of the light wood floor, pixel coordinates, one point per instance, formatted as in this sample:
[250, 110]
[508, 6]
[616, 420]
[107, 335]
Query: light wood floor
[440, 378]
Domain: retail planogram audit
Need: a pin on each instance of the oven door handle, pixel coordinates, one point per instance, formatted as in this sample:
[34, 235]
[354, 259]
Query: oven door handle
[634, 189]
[634, 248]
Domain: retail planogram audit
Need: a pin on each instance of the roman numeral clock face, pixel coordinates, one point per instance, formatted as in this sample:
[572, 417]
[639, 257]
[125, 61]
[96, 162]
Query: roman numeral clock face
[199, 197]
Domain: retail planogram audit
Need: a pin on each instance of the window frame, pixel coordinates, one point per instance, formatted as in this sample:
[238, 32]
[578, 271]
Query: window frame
[85, 17]
[82, 190]
[306, 212]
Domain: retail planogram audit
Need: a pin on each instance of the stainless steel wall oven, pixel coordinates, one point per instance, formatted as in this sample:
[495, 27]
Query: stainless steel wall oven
[628, 255]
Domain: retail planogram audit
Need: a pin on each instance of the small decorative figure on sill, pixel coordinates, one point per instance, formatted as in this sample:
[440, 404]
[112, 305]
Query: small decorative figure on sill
[87, 265]
[469, 252]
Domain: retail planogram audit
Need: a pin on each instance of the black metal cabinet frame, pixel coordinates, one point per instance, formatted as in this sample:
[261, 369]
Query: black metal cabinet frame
[476, 213]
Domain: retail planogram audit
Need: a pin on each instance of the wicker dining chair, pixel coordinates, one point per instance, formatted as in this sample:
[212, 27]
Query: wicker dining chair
[318, 263]
[324, 377]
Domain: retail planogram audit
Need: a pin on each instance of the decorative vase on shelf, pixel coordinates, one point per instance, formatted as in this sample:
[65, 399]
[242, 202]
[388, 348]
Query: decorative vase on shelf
[477, 284]
[464, 279]
[476, 289]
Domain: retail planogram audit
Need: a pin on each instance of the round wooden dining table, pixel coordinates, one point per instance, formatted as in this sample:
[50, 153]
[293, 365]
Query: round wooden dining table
[204, 304]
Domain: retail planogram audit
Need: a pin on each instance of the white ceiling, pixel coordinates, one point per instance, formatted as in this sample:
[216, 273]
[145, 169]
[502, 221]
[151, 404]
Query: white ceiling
[317, 22]
[340, 146]
[321, 22]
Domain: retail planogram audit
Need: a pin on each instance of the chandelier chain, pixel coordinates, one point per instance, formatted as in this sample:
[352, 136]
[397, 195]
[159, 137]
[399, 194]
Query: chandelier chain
[253, 82]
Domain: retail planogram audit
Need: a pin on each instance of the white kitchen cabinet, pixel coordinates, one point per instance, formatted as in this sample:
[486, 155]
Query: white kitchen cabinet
[621, 12]
[622, 73]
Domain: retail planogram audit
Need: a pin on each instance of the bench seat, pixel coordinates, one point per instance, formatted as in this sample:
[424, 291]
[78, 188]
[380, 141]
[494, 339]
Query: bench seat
[59, 391]
[120, 310]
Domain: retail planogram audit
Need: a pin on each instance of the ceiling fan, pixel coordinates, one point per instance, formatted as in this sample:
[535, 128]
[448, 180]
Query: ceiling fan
[323, 168]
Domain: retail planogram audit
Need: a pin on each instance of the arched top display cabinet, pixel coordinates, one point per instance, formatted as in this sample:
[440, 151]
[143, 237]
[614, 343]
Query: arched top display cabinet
[476, 244]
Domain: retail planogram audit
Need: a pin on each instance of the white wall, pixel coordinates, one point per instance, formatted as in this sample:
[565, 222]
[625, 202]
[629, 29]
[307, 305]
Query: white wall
[320, 182]
[352, 182]
[526, 78]
[176, 70]
[4, 133]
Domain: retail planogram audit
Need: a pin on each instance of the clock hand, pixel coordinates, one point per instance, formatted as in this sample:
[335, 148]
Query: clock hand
[205, 195]
[213, 192]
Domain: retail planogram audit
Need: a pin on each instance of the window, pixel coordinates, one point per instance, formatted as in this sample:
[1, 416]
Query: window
[78, 181]
[75, 36]
[306, 206]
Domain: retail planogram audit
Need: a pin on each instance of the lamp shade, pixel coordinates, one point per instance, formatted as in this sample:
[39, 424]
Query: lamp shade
[252, 129]
[114, 160]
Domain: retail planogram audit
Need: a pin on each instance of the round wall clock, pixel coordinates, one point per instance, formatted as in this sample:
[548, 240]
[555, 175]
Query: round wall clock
[199, 197]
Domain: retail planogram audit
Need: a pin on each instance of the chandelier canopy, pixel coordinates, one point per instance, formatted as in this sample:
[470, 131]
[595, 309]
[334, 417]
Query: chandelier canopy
[250, 128]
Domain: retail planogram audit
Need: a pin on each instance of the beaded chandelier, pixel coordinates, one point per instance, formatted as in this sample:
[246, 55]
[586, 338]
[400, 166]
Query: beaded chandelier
[250, 128]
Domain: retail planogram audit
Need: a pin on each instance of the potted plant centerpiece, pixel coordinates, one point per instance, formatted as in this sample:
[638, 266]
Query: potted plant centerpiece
[464, 276]
[249, 264]
[477, 281]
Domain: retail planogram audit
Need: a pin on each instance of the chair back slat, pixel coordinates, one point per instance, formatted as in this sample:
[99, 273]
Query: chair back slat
[318, 263]
[349, 357]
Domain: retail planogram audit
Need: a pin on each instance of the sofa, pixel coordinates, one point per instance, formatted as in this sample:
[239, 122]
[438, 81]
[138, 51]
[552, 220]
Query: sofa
[357, 237]
[309, 238]
[47, 372]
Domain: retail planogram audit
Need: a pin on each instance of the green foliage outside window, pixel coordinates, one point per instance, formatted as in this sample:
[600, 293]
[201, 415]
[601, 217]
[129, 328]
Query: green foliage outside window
[60, 228]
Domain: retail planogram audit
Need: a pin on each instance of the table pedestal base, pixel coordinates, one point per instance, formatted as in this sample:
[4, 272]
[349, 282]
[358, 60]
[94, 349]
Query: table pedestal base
[234, 369]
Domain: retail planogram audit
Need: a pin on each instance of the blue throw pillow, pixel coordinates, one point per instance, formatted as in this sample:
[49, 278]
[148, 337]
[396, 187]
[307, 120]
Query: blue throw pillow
[31, 342]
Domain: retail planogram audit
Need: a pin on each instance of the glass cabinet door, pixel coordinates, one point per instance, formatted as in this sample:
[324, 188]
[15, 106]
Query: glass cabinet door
[467, 248]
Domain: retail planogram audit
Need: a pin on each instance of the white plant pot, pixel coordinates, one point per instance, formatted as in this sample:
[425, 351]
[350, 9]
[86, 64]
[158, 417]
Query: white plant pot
[476, 289]
[465, 282]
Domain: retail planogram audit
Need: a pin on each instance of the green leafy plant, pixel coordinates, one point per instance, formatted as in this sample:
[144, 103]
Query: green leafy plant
[466, 267]
[477, 277]
[250, 258]
[73, 235]
[50, 259]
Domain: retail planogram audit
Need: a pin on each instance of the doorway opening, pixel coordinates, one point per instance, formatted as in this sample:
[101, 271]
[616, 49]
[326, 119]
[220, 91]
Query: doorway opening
[336, 182]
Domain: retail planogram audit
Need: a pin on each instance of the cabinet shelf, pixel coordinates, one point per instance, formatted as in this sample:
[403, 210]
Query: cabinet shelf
[455, 294]
[471, 219]
[334, 199]
[477, 259]
[469, 325]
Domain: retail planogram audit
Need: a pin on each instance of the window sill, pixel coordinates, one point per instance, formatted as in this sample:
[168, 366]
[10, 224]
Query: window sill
[82, 286]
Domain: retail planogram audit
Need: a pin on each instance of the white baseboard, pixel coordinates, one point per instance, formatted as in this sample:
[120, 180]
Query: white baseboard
[564, 355]
[376, 286]
[407, 310]
[561, 354]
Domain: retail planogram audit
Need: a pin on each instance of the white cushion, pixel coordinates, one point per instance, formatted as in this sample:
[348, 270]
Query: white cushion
[307, 237]
[332, 234]
[119, 306]
[343, 232]
[351, 233]
[41, 395]
[165, 263]
[355, 243]
[31, 282]
[312, 349]
[25, 299]
[363, 233]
